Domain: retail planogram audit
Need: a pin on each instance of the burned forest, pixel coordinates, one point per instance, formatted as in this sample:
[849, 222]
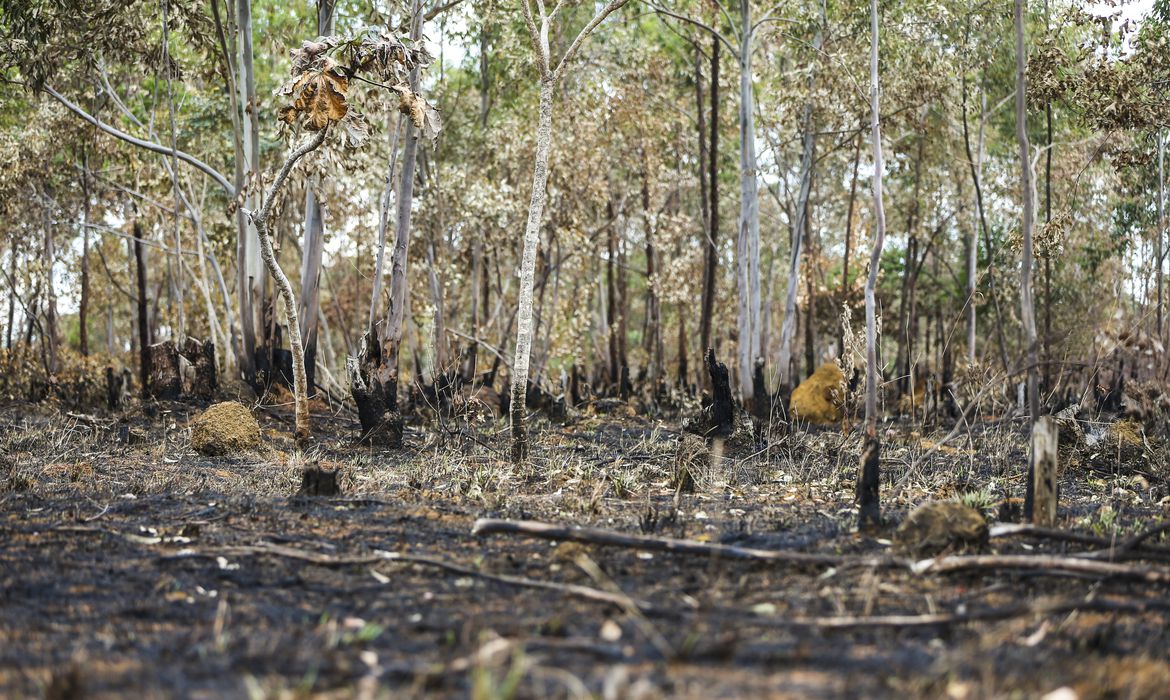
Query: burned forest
[611, 350]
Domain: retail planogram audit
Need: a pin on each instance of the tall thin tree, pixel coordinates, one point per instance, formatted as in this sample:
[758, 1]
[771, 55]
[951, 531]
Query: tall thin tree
[869, 476]
[549, 77]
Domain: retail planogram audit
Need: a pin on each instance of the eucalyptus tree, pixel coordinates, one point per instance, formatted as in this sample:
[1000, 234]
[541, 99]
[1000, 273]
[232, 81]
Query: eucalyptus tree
[741, 44]
[539, 25]
[869, 474]
[800, 230]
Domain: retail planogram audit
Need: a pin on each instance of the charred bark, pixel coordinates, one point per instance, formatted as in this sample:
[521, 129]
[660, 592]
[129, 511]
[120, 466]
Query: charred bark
[165, 381]
[717, 418]
[375, 391]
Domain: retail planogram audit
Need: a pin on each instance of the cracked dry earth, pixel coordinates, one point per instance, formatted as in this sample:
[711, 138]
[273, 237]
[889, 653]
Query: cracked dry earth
[149, 571]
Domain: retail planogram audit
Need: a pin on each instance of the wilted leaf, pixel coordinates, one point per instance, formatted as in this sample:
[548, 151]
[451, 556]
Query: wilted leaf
[424, 116]
[319, 96]
[355, 129]
[432, 123]
[414, 107]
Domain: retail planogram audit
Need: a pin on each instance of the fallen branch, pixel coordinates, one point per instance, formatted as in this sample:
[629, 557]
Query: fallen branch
[849, 622]
[1133, 547]
[609, 538]
[379, 557]
[1041, 564]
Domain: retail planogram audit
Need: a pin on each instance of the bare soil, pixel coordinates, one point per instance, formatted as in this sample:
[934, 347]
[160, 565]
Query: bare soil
[146, 570]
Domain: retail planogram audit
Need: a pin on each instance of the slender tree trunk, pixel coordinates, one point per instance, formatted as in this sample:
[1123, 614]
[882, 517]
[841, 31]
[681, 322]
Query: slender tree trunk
[83, 305]
[260, 221]
[711, 261]
[976, 164]
[50, 330]
[314, 242]
[1027, 310]
[907, 315]
[869, 478]
[611, 311]
[312, 253]
[972, 265]
[748, 240]
[653, 336]
[799, 234]
[251, 276]
[1161, 233]
[143, 324]
[179, 295]
[518, 405]
[11, 295]
[243, 335]
[1047, 219]
[848, 241]
[374, 376]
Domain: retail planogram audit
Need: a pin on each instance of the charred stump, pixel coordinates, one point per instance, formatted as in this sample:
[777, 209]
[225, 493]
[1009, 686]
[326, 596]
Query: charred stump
[717, 418]
[201, 355]
[761, 400]
[868, 484]
[164, 380]
[319, 481]
[373, 384]
[115, 386]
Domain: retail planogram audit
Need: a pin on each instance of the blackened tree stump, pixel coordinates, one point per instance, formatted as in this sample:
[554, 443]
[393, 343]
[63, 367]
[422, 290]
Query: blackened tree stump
[164, 380]
[373, 383]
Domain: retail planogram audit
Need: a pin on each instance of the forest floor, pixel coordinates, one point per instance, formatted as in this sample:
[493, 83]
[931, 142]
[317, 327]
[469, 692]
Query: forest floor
[147, 570]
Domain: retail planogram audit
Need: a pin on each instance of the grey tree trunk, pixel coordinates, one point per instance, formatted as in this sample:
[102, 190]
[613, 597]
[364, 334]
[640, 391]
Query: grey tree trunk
[712, 250]
[518, 405]
[251, 277]
[50, 330]
[260, 221]
[1027, 310]
[314, 244]
[869, 479]
[799, 233]
[748, 241]
[83, 306]
[1160, 234]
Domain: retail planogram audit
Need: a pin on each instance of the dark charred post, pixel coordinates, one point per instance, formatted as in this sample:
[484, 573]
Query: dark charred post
[143, 325]
[682, 349]
[712, 253]
[375, 391]
[722, 401]
[761, 401]
[611, 296]
[113, 389]
[575, 386]
[718, 416]
[165, 381]
[624, 386]
[868, 486]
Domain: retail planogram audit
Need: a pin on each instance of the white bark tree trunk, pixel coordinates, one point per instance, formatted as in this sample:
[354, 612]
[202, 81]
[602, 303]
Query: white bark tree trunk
[251, 270]
[1027, 310]
[260, 221]
[748, 241]
[518, 405]
[868, 485]
[788, 325]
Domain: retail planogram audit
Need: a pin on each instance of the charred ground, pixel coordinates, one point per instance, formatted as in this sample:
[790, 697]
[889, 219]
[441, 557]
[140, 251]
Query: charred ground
[148, 570]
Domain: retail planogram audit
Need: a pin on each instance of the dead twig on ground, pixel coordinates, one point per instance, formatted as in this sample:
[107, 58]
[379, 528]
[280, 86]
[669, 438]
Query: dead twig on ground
[609, 538]
[380, 557]
[1038, 608]
[1041, 563]
[1131, 548]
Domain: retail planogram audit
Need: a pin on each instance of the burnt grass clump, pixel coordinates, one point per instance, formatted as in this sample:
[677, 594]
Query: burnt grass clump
[145, 569]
